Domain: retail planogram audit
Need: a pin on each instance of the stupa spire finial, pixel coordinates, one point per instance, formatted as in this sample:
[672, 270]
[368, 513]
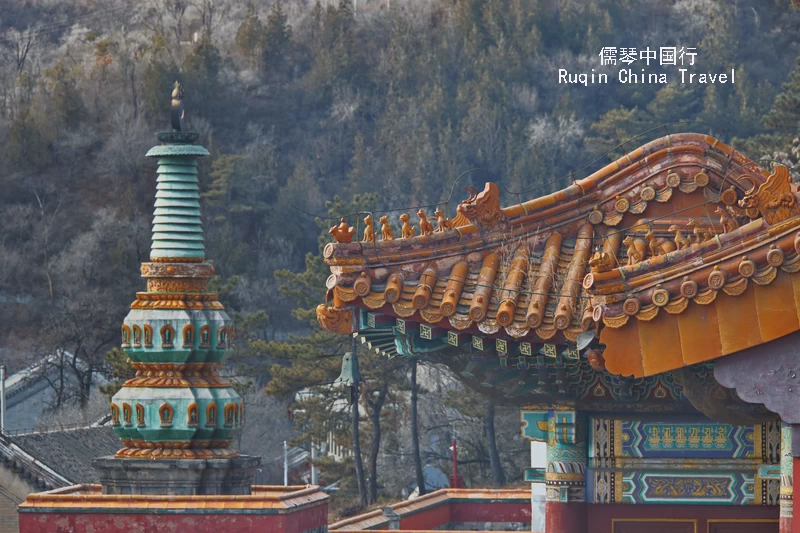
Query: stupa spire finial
[177, 112]
[177, 228]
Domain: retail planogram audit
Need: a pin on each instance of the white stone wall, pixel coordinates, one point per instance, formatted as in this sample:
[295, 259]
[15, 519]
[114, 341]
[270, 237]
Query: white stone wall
[538, 460]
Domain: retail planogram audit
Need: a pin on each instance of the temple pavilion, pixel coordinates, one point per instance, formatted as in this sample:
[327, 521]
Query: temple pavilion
[645, 319]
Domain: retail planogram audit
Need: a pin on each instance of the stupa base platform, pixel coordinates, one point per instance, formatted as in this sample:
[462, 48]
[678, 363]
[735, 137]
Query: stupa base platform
[85, 509]
[179, 477]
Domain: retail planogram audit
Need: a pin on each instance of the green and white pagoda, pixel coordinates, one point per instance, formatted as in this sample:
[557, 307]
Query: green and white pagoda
[177, 418]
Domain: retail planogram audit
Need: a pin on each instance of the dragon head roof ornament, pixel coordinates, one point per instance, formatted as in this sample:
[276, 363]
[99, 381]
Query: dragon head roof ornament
[481, 209]
[774, 200]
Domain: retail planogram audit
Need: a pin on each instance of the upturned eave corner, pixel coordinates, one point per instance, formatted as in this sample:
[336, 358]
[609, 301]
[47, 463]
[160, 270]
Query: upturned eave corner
[337, 320]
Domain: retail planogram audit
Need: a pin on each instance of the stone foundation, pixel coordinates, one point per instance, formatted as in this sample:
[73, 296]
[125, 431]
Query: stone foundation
[182, 477]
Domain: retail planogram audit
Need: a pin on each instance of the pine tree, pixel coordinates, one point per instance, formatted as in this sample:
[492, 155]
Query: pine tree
[27, 143]
[615, 127]
[719, 41]
[785, 112]
[277, 40]
[67, 104]
[250, 37]
[672, 103]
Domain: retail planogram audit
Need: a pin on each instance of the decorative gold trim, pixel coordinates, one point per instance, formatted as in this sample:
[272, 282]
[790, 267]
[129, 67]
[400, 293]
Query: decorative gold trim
[169, 304]
[489, 327]
[179, 270]
[647, 313]
[176, 259]
[177, 453]
[571, 334]
[663, 195]
[518, 330]
[402, 310]
[791, 266]
[638, 207]
[705, 298]
[460, 322]
[163, 375]
[342, 261]
[612, 219]
[735, 289]
[430, 316]
[374, 300]
[557, 476]
[766, 276]
[546, 333]
[677, 306]
[345, 293]
[150, 297]
[615, 321]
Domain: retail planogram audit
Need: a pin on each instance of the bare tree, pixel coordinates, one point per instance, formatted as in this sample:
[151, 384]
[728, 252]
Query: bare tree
[415, 430]
[494, 455]
[375, 405]
[167, 19]
[48, 216]
[18, 45]
[212, 14]
[16, 51]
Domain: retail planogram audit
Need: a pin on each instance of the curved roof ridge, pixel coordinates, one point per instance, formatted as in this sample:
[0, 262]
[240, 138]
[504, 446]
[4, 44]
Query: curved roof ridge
[623, 186]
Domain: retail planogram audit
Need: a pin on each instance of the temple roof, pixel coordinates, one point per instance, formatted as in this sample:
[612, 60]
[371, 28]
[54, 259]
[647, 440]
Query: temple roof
[59, 458]
[682, 218]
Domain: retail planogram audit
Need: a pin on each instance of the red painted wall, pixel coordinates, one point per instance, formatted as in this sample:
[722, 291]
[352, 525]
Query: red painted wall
[490, 512]
[734, 518]
[296, 522]
[480, 511]
[565, 517]
[427, 518]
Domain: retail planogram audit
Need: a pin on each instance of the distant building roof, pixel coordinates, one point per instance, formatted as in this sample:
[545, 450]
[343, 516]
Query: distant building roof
[29, 393]
[60, 458]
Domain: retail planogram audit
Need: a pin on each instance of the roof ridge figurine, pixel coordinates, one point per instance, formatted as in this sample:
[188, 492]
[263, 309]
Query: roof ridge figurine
[343, 232]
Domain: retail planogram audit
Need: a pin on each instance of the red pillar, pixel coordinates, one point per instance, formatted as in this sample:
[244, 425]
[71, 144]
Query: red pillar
[569, 517]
